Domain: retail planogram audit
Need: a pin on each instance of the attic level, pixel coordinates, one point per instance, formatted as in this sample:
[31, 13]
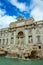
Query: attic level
[21, 21]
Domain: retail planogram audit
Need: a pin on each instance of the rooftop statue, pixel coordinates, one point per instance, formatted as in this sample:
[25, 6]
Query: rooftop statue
[20, 18]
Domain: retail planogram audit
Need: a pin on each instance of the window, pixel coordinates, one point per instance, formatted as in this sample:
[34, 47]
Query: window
[12, 39]
[12, 33]
[1, 33]
[38, 39]
[6, 41]
[30, 39]
[0, 41]
[3, 41]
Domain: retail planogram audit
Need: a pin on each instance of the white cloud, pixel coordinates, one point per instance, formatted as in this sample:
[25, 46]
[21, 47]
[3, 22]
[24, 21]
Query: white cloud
[37, 9]
[20, 6]
[37, 14]
[2, 12]
[5, 19]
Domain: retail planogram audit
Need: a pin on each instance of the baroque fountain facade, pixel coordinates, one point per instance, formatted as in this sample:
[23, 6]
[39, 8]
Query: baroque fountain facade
[22, 37]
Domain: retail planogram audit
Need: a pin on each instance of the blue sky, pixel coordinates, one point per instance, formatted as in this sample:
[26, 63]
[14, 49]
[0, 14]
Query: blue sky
[10, 10]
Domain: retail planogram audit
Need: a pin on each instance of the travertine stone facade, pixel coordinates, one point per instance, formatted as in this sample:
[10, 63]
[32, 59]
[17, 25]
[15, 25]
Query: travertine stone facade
[24, 32]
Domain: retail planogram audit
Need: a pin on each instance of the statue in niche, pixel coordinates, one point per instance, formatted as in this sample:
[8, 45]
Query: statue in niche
[20, 42]
[20, 39]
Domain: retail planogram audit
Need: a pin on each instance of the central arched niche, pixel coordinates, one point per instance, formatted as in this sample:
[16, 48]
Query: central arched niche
[20, 38]
[20, 34]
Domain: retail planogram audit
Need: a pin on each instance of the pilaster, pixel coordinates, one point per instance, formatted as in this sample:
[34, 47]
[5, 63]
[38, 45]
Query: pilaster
[26, 36]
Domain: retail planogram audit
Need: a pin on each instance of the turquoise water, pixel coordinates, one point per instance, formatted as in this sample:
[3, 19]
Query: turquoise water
[12, 61]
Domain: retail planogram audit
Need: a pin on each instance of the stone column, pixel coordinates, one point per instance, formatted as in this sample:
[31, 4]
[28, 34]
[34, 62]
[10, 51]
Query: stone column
[15, 37]
[41, 33]
[41, 38]
[1, 42]
[9, 38]
[26, 36]
[34, 36]
[5, 39]
[5, 43]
